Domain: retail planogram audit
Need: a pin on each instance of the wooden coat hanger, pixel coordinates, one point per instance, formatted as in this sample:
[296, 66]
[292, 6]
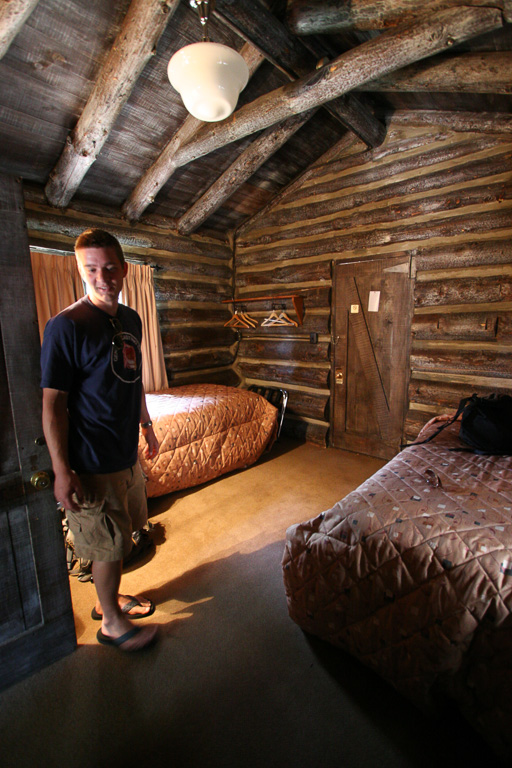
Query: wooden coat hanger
[237, 321]
[248, 319]
[297, 299]
[278, 319]
[272, 319]
[241, 319]
[285, 320]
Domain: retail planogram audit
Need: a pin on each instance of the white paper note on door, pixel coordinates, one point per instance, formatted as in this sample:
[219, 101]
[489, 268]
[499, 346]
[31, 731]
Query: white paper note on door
[373, 301]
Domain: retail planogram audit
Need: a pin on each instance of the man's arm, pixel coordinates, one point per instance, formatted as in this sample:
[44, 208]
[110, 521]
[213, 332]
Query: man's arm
[149, 435]
[55, 428]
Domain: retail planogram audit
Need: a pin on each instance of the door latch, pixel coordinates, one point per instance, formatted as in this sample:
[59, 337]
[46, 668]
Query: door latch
[339, 376]
[40, 480]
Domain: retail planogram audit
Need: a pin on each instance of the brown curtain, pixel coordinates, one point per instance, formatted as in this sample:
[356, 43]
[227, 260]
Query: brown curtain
[57, 284]
[138, 293]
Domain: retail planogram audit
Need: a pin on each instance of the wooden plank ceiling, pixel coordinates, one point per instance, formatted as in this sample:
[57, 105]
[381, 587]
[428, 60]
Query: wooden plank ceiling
[87, 112]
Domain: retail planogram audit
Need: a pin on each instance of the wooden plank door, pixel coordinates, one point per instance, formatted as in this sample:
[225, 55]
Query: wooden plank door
[36, 618]
[372, 310]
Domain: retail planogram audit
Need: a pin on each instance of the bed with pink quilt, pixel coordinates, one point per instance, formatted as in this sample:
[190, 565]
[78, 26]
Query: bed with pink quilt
[205, 430]
[412, 574]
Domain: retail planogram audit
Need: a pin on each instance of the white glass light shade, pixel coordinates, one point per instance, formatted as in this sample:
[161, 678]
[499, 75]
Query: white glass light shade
[209, 78]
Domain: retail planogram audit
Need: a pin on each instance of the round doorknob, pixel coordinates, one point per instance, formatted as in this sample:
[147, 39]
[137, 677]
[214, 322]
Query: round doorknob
[40, 480]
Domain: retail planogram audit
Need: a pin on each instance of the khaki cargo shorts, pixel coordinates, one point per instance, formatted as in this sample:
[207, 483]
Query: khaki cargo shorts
[114, 506]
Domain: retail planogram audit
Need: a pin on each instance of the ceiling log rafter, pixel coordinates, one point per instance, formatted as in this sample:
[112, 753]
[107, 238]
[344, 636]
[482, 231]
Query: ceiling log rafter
[207, 138]
[260, 27]
[242, 169]
[13, 15]
[164, 166]
[264, 34]
[390, 51]
[488, 72]
[142, 28]
[371, 66]
[310, 17]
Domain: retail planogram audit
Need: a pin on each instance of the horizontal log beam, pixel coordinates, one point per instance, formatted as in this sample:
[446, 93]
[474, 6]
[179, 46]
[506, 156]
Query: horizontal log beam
[463, 326]
[423, 204]
[188, 290]
[257, 153]
[13, 15]
[310, 17]
[175, 339]
[226, 376]
[286, 374]
[284, 349]
[408, 235]
[463, 291]
[390, 51]
[452, 359]
[418, 161]
[463, 255]
[296, 273]
[460, 379]
[467, 73]
[174, 317]
[142, 28]
[194, 360]
[448, 394]
[481, 122]
[313, 297]
[67, 225]
[307, 404]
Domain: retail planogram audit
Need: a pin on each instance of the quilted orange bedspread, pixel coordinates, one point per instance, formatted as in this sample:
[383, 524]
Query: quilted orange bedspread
[412, 574]
[205, 430]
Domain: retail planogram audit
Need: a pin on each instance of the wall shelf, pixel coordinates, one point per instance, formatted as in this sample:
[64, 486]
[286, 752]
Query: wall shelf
[297, 300]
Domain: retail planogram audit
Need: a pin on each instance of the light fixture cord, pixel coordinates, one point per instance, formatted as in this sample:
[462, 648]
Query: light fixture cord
[203, 10]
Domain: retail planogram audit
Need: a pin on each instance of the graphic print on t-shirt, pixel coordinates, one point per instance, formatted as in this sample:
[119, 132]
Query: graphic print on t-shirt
[126, 360]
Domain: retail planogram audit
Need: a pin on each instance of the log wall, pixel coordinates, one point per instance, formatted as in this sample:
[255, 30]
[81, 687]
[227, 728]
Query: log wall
[441, 194]
[192, 276]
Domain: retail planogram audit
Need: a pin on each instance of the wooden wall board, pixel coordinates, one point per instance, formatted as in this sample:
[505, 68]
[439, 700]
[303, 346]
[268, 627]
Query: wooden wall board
[439, 195]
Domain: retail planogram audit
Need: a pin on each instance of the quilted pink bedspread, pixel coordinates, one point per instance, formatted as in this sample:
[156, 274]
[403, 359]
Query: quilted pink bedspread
[412, 574]
[205, 430]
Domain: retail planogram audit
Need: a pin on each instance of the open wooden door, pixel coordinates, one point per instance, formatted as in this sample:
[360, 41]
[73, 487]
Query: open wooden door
[36, 618]
[372, 310]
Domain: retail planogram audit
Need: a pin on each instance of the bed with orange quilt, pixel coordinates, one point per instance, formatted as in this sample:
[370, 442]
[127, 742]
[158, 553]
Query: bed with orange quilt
[205, 430]
[412, 574]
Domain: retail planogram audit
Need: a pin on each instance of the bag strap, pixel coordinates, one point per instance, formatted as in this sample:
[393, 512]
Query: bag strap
[461, 407]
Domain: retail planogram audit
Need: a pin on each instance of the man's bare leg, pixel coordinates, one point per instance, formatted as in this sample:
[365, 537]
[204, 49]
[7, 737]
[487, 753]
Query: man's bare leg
[114, 624]
[143, 609]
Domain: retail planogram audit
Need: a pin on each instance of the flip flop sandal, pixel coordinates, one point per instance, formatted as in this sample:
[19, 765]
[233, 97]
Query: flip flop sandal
[117, 642]
[132, 603]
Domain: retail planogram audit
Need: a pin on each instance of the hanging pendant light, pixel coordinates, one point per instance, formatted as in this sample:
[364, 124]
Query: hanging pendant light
[208, 76]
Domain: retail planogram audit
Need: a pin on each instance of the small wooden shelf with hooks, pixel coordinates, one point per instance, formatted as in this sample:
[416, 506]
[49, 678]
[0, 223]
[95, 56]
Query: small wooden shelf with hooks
[297, 300]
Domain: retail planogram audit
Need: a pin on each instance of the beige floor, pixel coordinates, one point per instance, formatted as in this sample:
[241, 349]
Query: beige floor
[238, 514]
[233, 681]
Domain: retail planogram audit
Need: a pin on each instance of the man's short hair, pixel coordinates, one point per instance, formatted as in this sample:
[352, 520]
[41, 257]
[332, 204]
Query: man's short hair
[99, 238]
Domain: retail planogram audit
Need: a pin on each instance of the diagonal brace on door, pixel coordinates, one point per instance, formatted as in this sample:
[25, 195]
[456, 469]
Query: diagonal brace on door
[367, 354]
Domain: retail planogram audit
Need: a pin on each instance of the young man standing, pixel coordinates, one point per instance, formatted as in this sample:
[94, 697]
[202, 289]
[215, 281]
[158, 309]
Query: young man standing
[93, 402]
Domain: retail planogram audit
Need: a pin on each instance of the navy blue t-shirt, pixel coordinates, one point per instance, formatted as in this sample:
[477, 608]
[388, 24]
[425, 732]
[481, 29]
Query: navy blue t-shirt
[103, 381]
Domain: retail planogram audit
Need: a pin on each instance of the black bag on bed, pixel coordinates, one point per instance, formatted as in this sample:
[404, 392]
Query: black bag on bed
[486, 424]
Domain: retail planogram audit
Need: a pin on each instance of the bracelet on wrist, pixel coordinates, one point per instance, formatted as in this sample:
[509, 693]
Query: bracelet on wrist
[146, 424]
